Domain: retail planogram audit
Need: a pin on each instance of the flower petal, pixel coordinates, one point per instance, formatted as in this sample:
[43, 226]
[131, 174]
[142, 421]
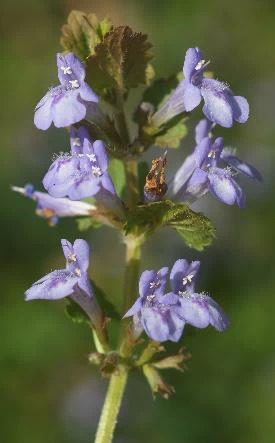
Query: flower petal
[43, 113]
[218, 318]
[192, 57]
[240, 108]
[195, 312]
[101, 154]
[82, 251]
[75, 68]
[217, 107]
[202, 129]
[155, 324]
[67, 109]
[146, 278]
[67, 248]
[191, 96]
[222, 185]
[57, 285]
[134, 309]
[243, 167]
[87, 94]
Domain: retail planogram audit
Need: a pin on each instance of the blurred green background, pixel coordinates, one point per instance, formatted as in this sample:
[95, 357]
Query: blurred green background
[48, 392]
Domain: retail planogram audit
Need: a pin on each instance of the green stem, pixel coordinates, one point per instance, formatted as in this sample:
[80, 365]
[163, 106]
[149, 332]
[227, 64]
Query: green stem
[117, 384]
[111, 407]
[131, 172]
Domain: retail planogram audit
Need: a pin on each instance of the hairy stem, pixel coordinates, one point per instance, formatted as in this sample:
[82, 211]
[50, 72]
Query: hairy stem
[111, 407]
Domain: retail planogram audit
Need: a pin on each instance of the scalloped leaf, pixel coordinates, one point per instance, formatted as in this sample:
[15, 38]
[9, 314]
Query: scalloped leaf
[120, 61]
[83, 32]
[195, 228]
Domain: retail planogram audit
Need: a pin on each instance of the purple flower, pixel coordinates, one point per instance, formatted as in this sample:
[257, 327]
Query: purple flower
[72, 281]
[198, 310]
[220, 105]
[52, 208]
[154, 311]
[80, 175]
[66, 103]
[200, 172]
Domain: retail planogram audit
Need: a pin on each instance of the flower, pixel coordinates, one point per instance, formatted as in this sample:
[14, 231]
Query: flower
[72, 281]
[200, 172]
[66, 103]
[154, 311]
[220, 105]
[196, 309]
[80, 175]
[52, 208]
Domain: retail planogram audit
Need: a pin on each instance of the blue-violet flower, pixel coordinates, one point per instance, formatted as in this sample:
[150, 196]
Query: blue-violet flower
[72, 281]
[200, 172]
[66, 103]
[52, 208]
[220, 105]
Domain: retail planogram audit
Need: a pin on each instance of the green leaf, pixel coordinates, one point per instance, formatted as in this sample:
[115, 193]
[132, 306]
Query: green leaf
[117, 172]
[75, 312]
[85, 223]
[172, 133]
[195, 228]
[83, 32]
[120, 61]
[106, 306]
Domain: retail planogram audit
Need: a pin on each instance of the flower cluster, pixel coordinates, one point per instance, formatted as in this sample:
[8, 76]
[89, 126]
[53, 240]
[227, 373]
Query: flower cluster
[200, 172]
[81, 173]
[163, 315]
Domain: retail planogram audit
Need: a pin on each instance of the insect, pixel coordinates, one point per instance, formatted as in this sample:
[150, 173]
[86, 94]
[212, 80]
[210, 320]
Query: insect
[155, 185]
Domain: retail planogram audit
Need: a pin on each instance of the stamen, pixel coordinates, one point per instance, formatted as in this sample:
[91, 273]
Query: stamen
[66, 69]
[76, 141]
[71, 258]
[77, 272]
[74, 84]
[187, 279]
[96, 171]
[212, 154]
[150, 297]
[91, 157]
[201, 64]
[154, 285]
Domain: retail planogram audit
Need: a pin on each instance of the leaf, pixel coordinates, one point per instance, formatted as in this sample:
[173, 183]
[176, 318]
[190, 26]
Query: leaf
[85, 223]
[75, 312]
[83, 32]
[117, 172]
[106, 306]
[120, 61]
[172, 133]
[195, 228]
